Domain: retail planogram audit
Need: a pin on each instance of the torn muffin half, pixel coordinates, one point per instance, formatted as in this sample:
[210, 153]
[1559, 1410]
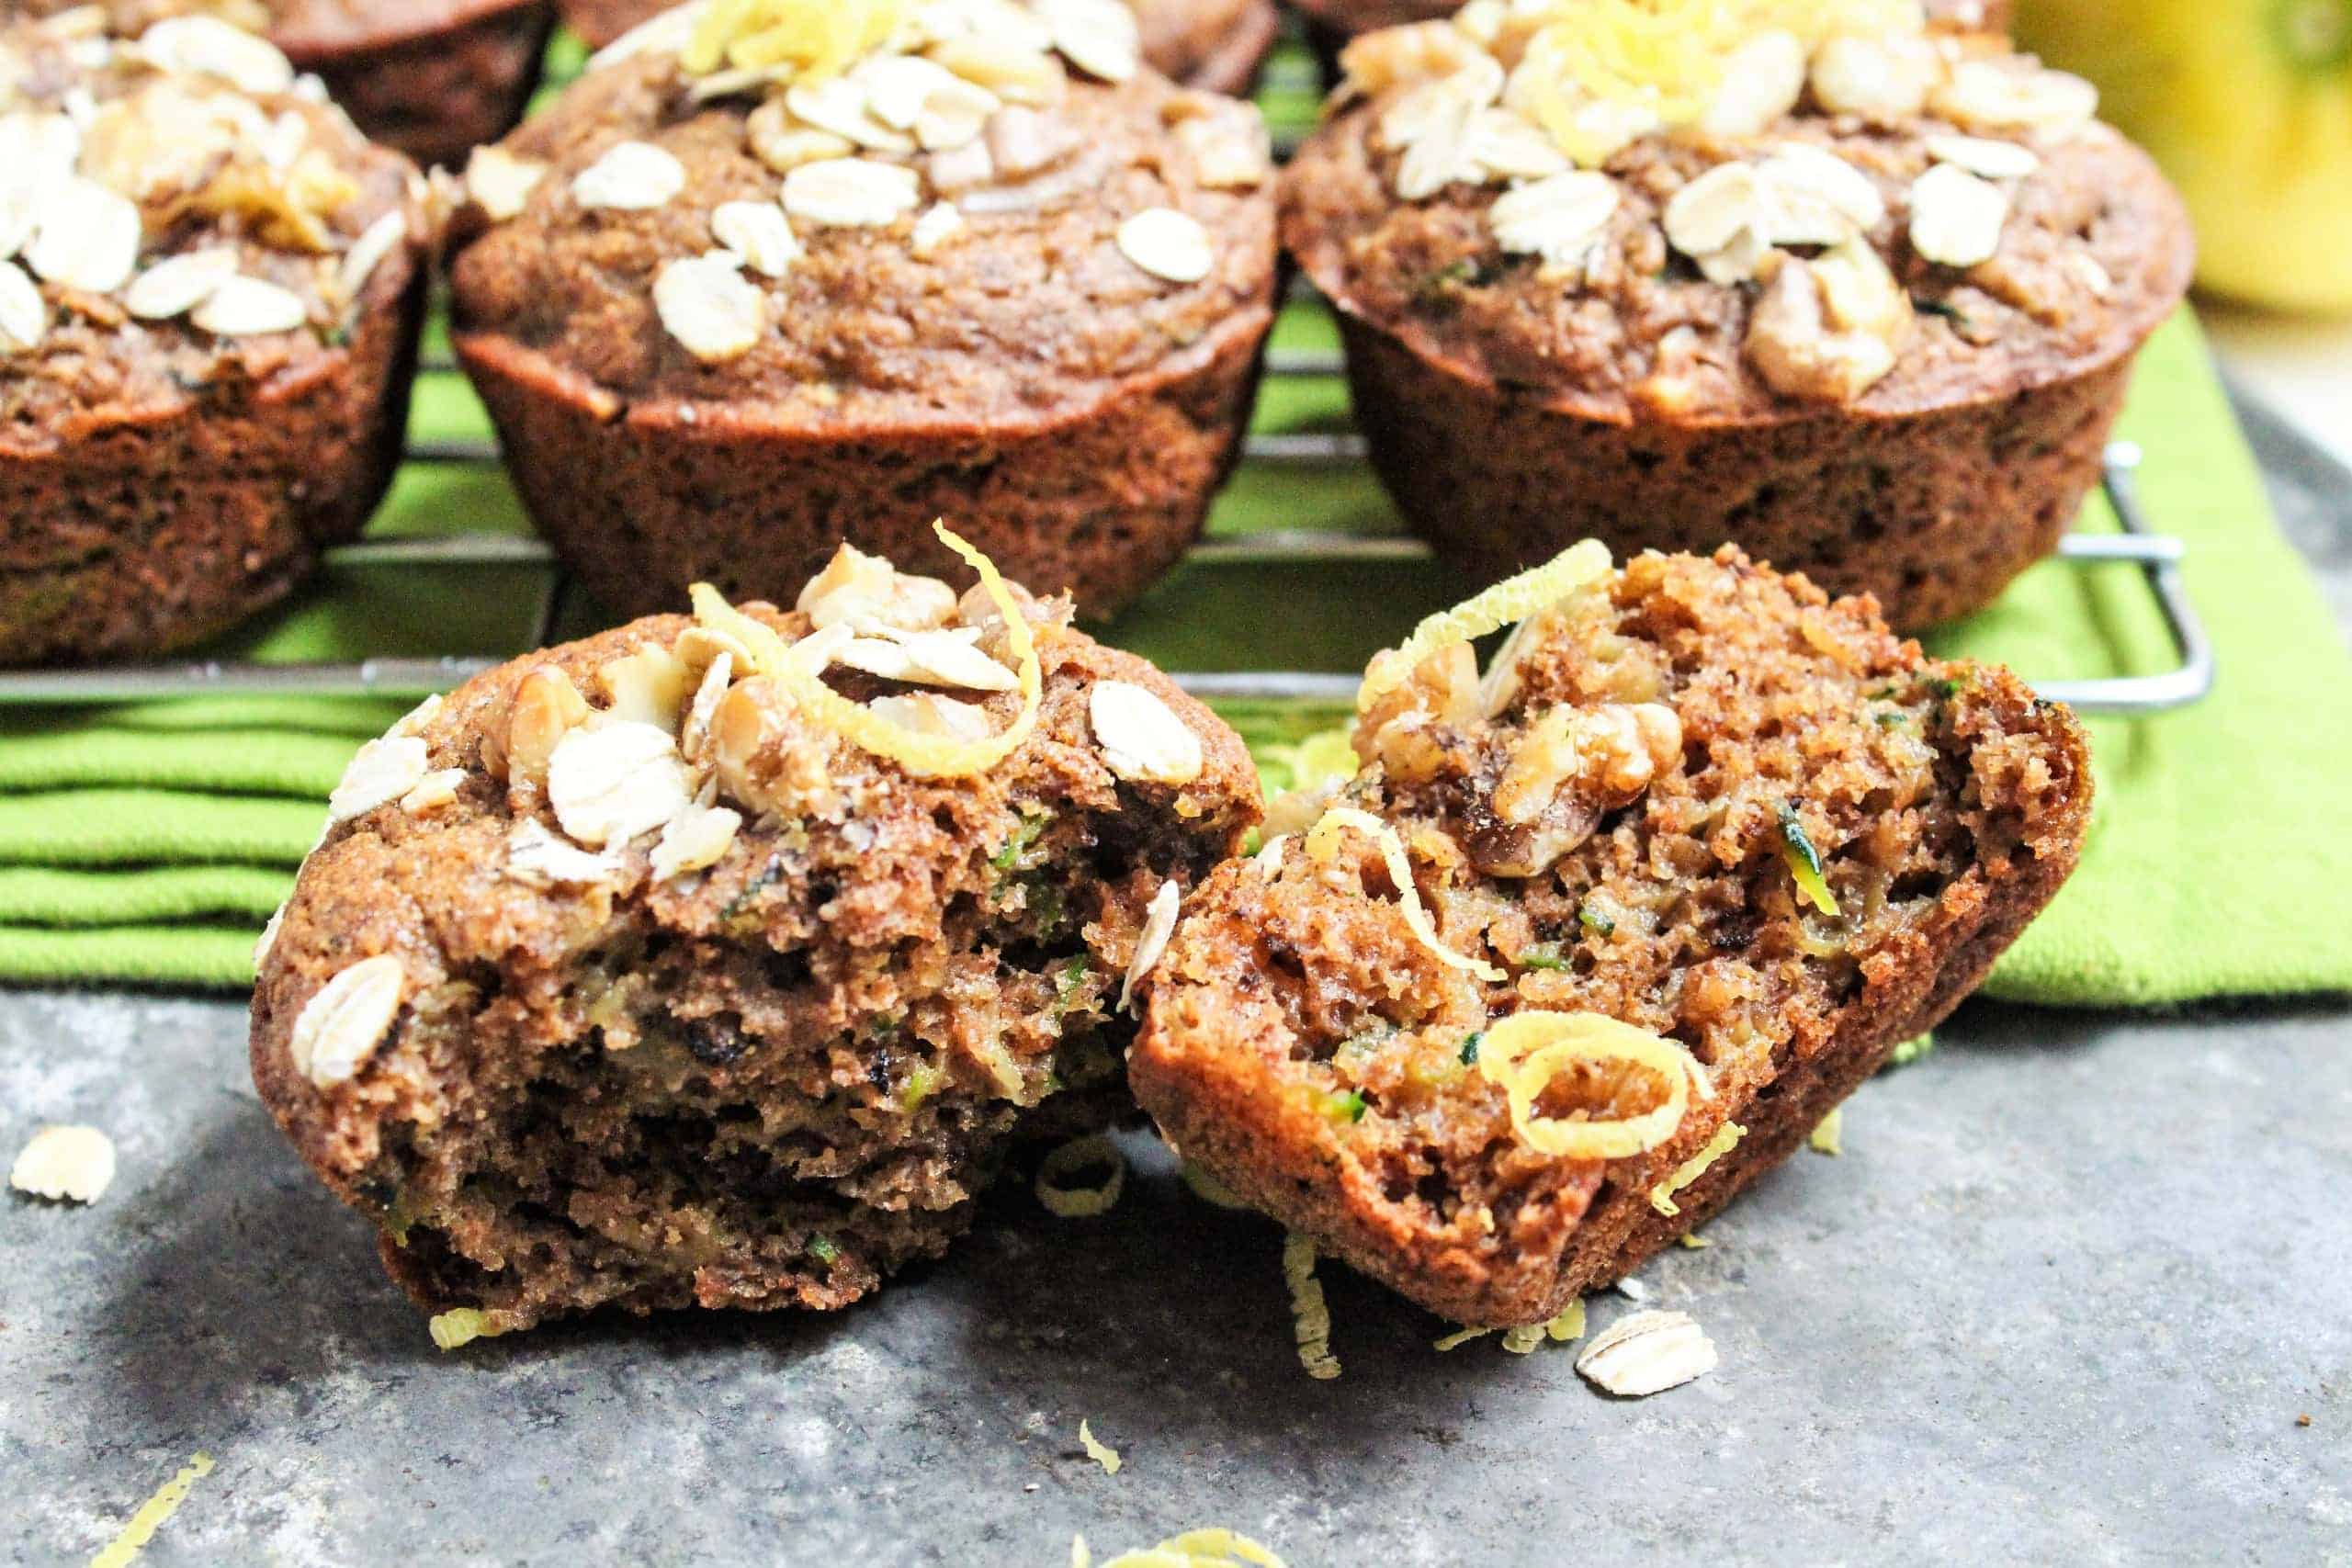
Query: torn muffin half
[717, 961]
[1595, 936]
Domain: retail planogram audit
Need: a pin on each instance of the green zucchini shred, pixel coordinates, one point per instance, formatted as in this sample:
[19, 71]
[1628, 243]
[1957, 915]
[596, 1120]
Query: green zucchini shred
[1805, 862]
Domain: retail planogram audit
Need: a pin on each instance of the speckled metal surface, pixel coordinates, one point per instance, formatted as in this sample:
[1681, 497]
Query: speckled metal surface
[2064, 1297]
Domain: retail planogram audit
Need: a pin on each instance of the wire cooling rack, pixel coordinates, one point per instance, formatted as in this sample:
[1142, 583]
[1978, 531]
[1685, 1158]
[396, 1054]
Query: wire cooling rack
[1290, 92]
[2158, 556]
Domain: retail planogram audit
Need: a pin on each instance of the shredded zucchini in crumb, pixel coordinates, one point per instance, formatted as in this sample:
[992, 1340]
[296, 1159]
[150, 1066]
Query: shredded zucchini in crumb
[1311, 1319]
[1098, 1452]
[1805, 862]
[140, 1527]
[463, 1325]
[1689, 1170]
[1213, 1547]
[1078, 1153]
[1825, 1138]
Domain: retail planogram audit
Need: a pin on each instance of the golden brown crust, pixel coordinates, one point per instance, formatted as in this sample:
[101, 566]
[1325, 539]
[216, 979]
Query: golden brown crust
[1303, 1045]
[768, 1083]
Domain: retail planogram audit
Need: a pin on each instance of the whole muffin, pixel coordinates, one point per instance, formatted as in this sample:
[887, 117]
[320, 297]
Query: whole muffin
[209, 324]
[1330, 23]
[1214, 45]
[430, 77]
[1863, 303]
[727, 315]
[720, 961]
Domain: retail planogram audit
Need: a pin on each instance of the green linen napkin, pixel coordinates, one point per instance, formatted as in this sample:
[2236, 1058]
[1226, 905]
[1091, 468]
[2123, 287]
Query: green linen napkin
[147, 843]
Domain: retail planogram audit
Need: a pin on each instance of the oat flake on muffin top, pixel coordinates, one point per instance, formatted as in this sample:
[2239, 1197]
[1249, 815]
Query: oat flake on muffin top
[1705, 211]
[871, 211]
[171, 204]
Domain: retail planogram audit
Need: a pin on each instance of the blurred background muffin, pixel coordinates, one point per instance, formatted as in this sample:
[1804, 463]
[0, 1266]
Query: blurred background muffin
[758, 284]
[209, 321]
[1216, 45]
[1863, 302]
[1333, 22]
[430, 77]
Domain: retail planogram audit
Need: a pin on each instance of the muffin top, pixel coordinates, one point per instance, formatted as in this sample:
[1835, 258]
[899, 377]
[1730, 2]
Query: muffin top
[180, 212]
[846, 213]
[1637, 213]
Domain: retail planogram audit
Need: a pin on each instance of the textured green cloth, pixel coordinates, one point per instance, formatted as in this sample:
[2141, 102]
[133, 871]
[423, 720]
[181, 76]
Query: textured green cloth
[147, 843]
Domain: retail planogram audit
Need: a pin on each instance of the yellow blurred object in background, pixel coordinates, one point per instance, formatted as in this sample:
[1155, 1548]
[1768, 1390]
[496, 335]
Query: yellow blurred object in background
[2247, 103]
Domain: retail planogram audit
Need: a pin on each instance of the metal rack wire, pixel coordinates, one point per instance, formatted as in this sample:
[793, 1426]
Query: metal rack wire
[2158, 557]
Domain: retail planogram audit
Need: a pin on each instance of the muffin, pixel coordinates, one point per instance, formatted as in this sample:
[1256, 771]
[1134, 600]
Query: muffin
[1594, 940]
[210, 321]
[1862, 303]
[432, 79]
[727, 315]
[1330, 23]
[1214, 45]
[720, 960]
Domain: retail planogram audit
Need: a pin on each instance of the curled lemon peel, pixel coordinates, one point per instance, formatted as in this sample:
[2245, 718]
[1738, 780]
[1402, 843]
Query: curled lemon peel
[1689, 1170]
[1400, 872]
[1460, 1337]
[1211, 1547]
[151, 1516]
[814, 39]
[1310, 1317]
[1512, 599]
[922, 755]
[1208, 1188]
[1568, 1323]
[1666, 59]
[1081, 1203]
[1522, 1054]
[1098, 1450]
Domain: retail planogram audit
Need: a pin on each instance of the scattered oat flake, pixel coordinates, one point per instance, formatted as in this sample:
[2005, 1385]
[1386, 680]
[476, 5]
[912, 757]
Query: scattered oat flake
[694, 840]
[709, 307]
[140, 1527]
[1160, 921]
[435, 792]
[1826, 1138]
[850, 192]
[249, 306]
[538, 859]
[347, 1018]
[87, 237]
[500, 183]
[1646, 1353]
[64, 1164]
[1098, 1452]
[24, 314]
[1168, 244]
[1142, 738]
[368, 250]
[211, 47]
[1956, 217]
[940, 223]
[758, 234]
[381, 770]
[610, 783]
[629, 177]
[177, 285]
